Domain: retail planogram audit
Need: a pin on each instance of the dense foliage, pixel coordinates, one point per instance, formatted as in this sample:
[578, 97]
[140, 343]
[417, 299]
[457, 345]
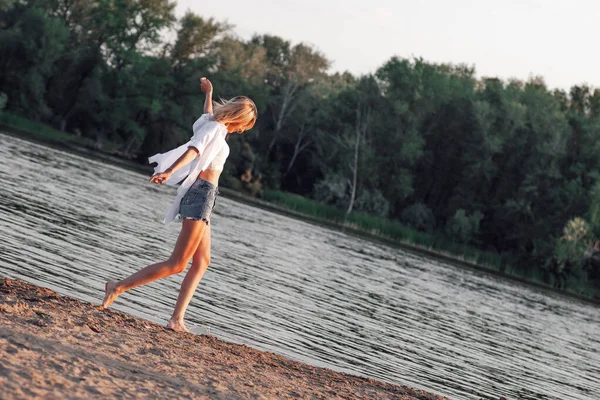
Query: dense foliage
[502, 166]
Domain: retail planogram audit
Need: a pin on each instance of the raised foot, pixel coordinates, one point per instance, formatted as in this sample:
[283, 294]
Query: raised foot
[110, 294]
[177, 326]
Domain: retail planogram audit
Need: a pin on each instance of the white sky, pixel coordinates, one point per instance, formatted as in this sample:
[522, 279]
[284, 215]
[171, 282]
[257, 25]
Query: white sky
[557, 39]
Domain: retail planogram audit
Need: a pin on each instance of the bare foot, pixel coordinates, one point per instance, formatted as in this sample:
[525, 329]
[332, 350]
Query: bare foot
[177, 326]
[111, 294]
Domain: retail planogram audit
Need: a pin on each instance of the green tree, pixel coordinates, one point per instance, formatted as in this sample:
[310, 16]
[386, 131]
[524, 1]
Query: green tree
[31, 43]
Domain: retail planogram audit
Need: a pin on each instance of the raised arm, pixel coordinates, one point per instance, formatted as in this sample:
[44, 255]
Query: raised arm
[207, 88]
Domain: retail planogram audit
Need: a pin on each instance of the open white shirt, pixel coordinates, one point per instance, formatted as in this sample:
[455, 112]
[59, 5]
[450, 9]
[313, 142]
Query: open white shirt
[209, 139]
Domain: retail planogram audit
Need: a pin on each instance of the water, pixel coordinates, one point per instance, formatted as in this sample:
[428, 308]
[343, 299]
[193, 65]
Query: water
[300, 290]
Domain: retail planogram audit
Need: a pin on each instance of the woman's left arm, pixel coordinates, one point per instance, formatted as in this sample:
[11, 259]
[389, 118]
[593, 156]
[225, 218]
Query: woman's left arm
[207, 88]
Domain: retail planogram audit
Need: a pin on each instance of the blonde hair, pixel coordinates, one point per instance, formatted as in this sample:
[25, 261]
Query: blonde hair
[238, 114]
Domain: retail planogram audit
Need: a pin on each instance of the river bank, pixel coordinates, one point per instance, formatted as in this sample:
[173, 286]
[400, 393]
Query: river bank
[56, 139]
[58, 347]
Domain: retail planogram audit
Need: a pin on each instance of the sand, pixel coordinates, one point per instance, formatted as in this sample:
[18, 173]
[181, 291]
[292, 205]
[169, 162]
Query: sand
[54, 346]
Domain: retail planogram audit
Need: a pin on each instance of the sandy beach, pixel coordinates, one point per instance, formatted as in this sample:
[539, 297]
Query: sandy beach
[54, 346]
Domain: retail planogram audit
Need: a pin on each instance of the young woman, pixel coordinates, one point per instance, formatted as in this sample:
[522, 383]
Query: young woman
[200, 161]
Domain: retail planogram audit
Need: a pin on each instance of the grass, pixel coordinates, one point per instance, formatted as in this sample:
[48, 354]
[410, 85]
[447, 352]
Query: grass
[39, 130]
[47, 134]
[386, 228]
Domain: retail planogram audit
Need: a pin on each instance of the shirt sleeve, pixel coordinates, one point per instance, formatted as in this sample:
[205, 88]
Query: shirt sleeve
[204, 131]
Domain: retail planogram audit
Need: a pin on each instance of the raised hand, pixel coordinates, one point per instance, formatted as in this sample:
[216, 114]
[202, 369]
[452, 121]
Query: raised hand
[205, 85]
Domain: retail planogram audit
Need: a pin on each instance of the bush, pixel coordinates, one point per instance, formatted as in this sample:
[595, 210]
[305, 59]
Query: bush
[331, 190]
[462, 227]
[372, 202]
[420, 217]
[576, 239]
[594, 210]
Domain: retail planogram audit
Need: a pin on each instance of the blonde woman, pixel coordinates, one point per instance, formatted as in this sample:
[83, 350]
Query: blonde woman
[200, 161]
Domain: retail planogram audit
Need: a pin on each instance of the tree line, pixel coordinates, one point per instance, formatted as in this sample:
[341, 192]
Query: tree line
[510, 167]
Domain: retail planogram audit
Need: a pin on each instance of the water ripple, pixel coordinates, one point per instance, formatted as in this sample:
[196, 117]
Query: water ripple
[303, 291]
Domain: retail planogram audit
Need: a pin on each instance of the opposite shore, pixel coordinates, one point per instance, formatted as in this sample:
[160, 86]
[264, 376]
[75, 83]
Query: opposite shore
[58, 347]
[77, 146]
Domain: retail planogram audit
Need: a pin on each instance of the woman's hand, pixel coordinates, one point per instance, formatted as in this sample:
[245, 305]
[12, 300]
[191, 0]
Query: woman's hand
[205, 85]
[161, 177]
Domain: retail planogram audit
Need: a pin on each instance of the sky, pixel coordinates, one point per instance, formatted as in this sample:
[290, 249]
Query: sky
[555, 39]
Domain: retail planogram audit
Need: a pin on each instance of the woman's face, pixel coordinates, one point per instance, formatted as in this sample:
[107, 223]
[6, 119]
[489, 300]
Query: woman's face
[240, 127]
[234, 127]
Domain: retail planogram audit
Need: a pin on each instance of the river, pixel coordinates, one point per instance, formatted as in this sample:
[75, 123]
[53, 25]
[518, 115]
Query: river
[304, 291]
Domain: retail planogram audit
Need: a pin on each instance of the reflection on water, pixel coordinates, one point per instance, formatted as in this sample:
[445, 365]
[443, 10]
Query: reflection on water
[296, 289]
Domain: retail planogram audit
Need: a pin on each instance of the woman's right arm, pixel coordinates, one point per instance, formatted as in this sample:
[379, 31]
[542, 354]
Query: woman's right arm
[207, 88]
[185, 158]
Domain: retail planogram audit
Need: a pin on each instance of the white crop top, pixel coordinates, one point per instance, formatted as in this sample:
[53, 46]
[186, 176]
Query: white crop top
[218, 162]
[205, 123]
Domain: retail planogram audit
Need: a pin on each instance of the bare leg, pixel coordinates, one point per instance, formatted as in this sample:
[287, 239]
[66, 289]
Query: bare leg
[200, 263]
[187, 243]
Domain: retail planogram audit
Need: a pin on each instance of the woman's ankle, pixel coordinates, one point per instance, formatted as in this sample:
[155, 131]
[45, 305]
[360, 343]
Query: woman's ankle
[118, 287]
[176, 318]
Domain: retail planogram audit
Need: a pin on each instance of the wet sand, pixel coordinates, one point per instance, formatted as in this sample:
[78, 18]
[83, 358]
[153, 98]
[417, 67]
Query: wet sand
[54, 346]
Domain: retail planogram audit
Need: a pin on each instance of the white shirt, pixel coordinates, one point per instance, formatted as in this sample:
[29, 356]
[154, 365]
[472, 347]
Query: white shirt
[209, 139]
[219, 161]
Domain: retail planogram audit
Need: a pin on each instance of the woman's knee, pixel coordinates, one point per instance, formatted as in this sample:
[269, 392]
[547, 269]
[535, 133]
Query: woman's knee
[177, 266]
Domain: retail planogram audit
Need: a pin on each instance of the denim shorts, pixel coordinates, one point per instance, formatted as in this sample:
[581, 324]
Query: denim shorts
[198, 202]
